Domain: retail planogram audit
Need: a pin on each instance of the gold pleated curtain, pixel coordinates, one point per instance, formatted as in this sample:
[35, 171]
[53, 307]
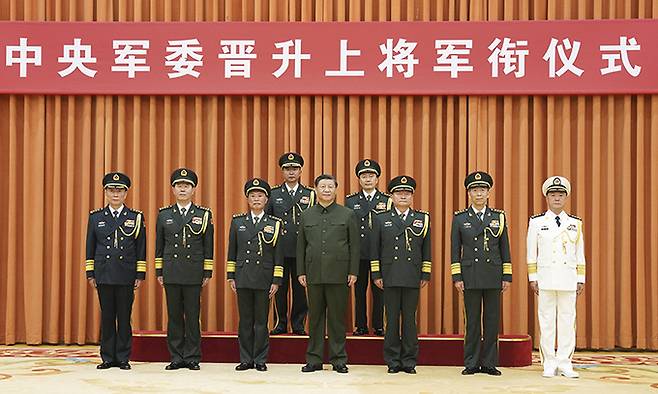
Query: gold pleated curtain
[54, 151]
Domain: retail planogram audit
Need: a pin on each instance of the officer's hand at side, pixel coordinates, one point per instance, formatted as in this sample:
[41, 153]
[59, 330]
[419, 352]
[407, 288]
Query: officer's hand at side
[534, 287]
[231, 283]
[580, 288]
[273, 289]
[205, 282]
[161, 281]
[505, 286]
[302, 280]
[379, 283]
[423, 283]
[351, 280]
[138, 282]
[92, 282]
[459, 285]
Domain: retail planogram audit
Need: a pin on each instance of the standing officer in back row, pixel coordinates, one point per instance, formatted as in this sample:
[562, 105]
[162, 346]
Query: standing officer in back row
[556, 271]
[482, 270]
[366, 204]
[116, 266]
[254, 271]
[287, 202]
[183, 265]
[401, 265]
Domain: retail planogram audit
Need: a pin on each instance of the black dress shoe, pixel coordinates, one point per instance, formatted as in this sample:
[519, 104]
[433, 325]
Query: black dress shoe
[244, 366]
[278, 331]
[193, 366]
[360, 331]
[393, 369]
[124, 365]
[411, 370]
[470, 371]
[299, 332]
[175, 365]
[340, 368]
[261, 367]
[105, 365]
[312, 367]
[379, 332]
[491, 371]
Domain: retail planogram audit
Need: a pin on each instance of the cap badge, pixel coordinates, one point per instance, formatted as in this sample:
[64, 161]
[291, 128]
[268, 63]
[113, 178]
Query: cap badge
[366, 163]
[403, 180]
[116, 177]
[478, 176]
[256, 183]
[183, 172]
[291, 156]
[557, 181]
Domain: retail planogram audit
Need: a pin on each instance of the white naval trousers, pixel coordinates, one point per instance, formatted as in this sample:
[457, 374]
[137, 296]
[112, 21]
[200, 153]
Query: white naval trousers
[557, 310]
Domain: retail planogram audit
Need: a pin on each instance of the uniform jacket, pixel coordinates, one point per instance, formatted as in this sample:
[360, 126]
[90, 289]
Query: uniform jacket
[328, 244]
[480, 249]
[255, 255]
[289, 208]
[401, 252]
[116, 248]
[556, 255]
[365, 211]
[184, 246]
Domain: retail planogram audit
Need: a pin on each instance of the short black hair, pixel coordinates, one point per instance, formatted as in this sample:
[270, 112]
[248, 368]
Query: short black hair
[325, 176]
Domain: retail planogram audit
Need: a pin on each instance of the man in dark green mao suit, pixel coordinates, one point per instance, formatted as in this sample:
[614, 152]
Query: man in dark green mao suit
[327, 263]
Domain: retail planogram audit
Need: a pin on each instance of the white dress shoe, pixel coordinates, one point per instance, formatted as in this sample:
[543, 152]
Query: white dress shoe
[569, 373]
[549, 372]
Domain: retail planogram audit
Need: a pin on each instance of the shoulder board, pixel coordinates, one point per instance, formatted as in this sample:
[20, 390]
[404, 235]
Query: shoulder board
[309, 188]
[460, 212]
[498, 210]
[575, 217]
[137, 211]
[202, 207]
[352, 195]
[537, 215]
[274, 218]
[96, 210]
[386, 194]
[276, 186]
[237, 215]
[167, 207]
[425, 212]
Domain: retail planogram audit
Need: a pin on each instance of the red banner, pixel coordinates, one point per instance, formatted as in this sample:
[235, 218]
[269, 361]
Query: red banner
[356, 58]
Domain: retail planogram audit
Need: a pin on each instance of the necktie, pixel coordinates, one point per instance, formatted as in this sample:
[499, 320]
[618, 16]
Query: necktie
[116, 214]
[368, 198]
[557, 220]
[183, 212]
[481, 216]
[292, 193]
[402, 216]
[256, 220]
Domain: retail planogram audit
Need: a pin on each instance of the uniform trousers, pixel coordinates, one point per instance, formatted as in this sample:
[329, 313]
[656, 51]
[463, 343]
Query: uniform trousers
[116, 332]
[327, 305]
[482, 321]
[299, 304]
[253, 336]
[557, 307]
[184, 328]
[401, 351]
[360, 296]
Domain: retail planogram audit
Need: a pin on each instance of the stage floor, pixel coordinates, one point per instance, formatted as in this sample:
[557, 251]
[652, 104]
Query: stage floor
[72, 369]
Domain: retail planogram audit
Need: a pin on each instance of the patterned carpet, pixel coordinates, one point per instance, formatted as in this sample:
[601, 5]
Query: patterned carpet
[71, 369]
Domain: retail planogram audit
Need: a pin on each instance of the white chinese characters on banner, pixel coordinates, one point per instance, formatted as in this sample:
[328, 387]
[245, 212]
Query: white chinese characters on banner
[183, 56]
[620, 52]
[237, 55]
[453, 56]
[285, 56]
[568, 62]
[22, 54]
[343, 70]
[509, 55]
[77, 55]
[401, 56]
[130, 56]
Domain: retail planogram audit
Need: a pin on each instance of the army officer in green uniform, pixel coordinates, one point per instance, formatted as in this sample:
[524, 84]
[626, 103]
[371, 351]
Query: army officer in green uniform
[116, 266]
[327, 263]
[254, 271]
[183, 264]
[481, 269]
[401, 264]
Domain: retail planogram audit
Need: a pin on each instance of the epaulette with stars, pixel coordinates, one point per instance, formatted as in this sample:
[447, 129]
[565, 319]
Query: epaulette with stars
[239, 215]
[421, 211]
[575, 217]
[352, 195]
[460, 212]
[96, 210]
[537, 215]
[498, 210]
[274, 218]
[166, 207]
[204, 208]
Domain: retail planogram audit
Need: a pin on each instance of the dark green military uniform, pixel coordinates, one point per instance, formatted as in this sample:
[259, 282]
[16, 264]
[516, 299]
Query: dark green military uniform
[184, 257]
[116, 257]
[288, 208]
[402, 257]
[327, 252]
[481, 259]
[255, 258]
[365, 207]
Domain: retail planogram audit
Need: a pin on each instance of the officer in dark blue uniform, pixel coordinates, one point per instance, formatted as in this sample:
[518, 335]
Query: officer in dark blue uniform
[481, 269]
[116, 266]
[367, 203]
[401, 264]
[254, 271]
[183, 265]
[287, 202]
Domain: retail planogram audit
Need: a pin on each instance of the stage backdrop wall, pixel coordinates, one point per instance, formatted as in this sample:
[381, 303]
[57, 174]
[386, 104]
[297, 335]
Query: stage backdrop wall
[54, 151]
